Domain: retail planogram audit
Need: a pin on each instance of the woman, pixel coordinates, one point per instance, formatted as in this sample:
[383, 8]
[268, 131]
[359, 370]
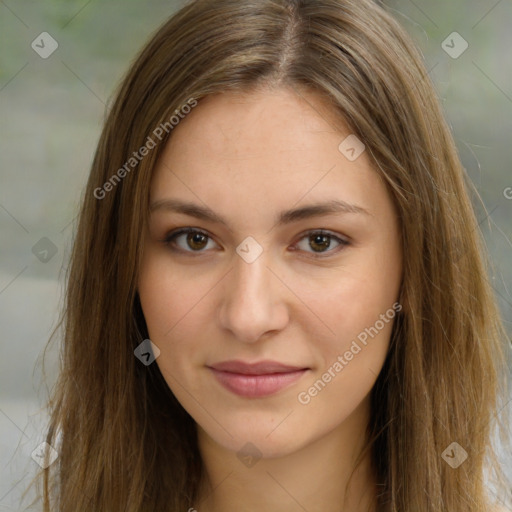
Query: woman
[277, 299]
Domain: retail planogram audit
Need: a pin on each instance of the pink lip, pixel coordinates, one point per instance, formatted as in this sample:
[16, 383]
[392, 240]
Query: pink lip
[256, 379]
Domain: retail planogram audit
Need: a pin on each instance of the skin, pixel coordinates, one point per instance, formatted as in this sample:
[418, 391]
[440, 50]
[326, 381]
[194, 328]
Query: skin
[248, 157]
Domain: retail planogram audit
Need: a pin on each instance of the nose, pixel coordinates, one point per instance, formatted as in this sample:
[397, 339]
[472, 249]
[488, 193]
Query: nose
[253, 300]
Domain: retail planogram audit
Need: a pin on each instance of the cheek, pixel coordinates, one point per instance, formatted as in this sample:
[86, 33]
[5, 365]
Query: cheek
[155, 291]
[351, 302]
[357, 307]
[173, 307]
[349, 362]
[166, 294]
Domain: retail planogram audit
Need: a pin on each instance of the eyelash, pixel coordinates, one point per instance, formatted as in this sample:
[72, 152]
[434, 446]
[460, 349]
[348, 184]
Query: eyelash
[171, 237]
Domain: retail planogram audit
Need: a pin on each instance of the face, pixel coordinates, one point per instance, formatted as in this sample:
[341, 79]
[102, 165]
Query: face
[263, 276]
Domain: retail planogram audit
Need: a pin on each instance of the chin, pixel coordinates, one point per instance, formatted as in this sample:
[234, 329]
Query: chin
[260, 437]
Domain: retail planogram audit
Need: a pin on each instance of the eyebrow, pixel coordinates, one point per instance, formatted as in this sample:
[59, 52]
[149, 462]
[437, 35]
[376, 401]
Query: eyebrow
[285, 217]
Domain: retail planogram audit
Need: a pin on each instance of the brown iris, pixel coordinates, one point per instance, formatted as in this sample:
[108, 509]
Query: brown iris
[321, 240]
[197, 241]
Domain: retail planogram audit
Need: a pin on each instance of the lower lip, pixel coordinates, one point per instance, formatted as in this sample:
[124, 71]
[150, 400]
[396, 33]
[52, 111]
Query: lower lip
[255, 386]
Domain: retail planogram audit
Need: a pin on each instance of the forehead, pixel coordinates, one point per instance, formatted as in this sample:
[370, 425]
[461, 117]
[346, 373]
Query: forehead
[258, 124]
[269, 147]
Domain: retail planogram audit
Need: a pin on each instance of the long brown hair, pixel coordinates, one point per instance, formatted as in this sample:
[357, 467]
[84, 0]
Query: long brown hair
[124, 441]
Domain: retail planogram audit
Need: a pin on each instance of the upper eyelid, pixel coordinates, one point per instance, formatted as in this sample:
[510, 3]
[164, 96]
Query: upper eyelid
[186, 230]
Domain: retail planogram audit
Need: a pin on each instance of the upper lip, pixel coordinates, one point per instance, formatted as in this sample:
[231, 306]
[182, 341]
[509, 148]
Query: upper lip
[259, 368]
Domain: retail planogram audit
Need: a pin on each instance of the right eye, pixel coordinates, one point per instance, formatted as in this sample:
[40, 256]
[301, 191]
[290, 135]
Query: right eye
[194, 241]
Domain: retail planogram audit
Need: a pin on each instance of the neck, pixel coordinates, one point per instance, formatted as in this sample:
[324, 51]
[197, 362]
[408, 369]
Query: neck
[312, 478]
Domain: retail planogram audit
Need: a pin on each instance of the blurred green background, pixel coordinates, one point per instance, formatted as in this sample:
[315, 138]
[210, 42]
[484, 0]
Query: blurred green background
[51, 116]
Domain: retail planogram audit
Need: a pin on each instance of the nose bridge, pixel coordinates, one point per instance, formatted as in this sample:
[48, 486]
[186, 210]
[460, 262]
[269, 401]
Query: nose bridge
[250, 305]
[250, 277]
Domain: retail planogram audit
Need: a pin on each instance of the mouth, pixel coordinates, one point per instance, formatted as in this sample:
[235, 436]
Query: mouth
[255, 380]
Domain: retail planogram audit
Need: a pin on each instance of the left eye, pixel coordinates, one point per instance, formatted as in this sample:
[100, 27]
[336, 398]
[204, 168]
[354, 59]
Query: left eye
[197, 240]
[322, 241]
